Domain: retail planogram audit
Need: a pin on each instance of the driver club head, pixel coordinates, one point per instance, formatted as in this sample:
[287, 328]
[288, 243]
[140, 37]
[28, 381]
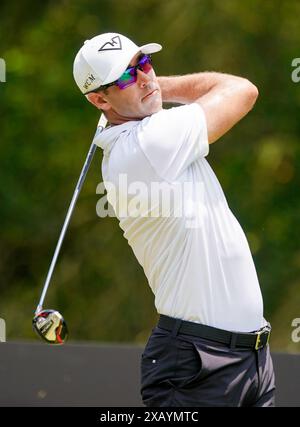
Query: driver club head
[51, 326]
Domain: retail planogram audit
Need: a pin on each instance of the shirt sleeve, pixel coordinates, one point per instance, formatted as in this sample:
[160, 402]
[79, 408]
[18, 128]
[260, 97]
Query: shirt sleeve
[173, 139]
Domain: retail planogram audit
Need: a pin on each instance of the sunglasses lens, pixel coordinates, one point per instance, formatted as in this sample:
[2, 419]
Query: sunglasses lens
[130, 75]
[127, 78]
[145, 64]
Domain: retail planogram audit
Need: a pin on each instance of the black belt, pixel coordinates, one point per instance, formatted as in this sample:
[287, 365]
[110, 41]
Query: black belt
[253, 340]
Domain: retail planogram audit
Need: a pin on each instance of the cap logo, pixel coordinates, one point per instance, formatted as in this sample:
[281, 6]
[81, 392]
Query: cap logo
[114, 44]
[90, 79]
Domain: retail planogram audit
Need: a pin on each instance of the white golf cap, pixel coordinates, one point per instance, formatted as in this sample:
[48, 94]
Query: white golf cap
[104, 58]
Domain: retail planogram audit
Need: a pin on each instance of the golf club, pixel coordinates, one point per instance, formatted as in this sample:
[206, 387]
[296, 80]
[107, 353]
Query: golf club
[50, 324]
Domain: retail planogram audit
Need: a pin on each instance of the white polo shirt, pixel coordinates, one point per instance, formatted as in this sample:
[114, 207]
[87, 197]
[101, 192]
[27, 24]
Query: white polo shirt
[192, 248]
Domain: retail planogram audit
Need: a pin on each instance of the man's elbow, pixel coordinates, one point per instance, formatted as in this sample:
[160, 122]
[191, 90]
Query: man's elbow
[251, 94]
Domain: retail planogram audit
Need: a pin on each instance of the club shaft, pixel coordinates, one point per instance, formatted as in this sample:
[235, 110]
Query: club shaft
[80, 182]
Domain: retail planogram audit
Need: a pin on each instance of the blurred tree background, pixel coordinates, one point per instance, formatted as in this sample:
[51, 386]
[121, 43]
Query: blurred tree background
[47, 127]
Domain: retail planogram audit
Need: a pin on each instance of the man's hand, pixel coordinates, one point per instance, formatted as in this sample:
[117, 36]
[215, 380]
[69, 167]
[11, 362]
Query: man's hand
[225, 98]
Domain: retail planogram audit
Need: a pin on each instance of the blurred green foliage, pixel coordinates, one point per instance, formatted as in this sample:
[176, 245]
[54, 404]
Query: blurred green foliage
[46, 130]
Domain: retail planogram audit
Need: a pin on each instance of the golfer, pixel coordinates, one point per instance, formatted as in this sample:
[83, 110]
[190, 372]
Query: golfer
[210, 346]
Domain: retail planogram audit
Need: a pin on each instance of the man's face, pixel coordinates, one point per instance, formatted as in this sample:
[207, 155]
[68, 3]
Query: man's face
[139, 100]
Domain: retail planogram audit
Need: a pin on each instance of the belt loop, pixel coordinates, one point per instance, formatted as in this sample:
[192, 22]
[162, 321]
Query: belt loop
[176, 327]
[233, 339]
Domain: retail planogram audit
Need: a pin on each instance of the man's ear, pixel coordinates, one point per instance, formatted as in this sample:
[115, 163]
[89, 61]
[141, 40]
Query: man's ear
[98, 100]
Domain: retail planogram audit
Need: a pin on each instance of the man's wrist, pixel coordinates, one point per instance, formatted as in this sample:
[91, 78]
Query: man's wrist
[169, 88]
[172, 89]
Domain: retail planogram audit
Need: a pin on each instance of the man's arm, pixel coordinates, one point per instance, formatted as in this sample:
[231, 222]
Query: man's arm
[225, 99]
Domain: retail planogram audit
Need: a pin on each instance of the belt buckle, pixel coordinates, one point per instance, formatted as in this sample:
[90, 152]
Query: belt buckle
[259, 344]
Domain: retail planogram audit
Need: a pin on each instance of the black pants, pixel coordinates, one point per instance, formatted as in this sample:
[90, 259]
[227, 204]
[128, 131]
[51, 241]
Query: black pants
[179, 370]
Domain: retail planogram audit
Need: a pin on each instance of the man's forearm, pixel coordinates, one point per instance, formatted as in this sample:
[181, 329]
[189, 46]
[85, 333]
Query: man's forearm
[188, 88]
